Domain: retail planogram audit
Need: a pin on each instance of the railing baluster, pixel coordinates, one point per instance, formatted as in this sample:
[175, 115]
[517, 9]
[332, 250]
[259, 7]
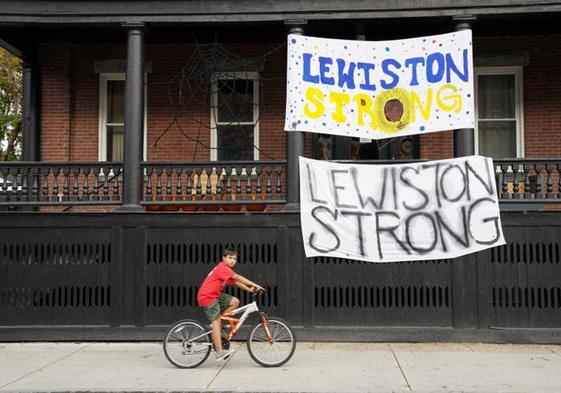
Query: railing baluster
[539, 182]
[258, 183]
[22, 179]
[527, 184]
[229, 181]
[168, 196]
[208, 183]
[86, 186]
[248, 173]
[159, 183]
[106, 174]
[34, 184]
[179, 185]
[269, 184]
[97, 172]
[504, 188]
[75, 177]
[515, 181]
[116, 177]
[189, 188]
[198, 174]
[279, 180]
[149, 194]
[65, 183]
[238, 181]
[56, 195]
[45, 187]
[219, 185]
[549, 187]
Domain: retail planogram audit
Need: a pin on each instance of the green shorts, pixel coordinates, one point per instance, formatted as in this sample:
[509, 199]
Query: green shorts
[217, 307]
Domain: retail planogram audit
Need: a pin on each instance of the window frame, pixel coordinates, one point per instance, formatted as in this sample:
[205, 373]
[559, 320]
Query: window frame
[102, 122]
[254, 76]
[517, 71]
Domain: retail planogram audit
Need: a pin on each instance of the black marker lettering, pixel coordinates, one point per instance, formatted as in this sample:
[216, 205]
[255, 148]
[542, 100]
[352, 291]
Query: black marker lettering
[407, 183]
[391, 231]
[329, 228]
[360, 237]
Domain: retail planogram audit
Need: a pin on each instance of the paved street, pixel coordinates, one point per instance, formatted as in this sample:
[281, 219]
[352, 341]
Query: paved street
[315, 367]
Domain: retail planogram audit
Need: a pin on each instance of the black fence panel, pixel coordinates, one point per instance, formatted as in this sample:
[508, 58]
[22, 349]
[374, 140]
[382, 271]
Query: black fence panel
[128, 276]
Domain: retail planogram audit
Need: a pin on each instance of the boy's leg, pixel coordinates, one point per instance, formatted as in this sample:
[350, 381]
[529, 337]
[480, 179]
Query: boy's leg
[234, 303]
[216, 336]
[212, 312]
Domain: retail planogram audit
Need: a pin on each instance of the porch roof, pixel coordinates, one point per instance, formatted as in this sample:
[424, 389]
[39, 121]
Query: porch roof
[63, 11]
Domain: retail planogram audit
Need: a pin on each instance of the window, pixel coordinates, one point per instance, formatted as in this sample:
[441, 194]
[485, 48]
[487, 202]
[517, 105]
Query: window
[499, 127]
[234, 117]
[112, 117]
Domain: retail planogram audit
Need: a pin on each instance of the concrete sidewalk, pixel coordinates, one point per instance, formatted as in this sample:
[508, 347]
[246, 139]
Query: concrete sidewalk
[315, 367]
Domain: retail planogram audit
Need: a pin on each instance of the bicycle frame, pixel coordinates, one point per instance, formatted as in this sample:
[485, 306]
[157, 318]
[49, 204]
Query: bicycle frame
[236, 323]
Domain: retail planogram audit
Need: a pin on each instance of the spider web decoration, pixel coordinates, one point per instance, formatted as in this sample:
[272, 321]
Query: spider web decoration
[218, 82]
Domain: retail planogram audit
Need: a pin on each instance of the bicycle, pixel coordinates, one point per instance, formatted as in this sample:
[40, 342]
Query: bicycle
[271, 342]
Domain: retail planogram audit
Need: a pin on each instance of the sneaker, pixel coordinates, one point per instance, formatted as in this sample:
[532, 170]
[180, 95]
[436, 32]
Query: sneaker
[223, 355]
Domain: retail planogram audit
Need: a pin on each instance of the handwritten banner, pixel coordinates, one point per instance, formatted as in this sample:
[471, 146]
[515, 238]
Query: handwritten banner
[384, 213]
[380, 89]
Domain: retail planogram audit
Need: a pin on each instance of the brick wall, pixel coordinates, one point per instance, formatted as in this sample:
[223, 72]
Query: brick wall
[70, 91]
[70, 109]
[542, 95]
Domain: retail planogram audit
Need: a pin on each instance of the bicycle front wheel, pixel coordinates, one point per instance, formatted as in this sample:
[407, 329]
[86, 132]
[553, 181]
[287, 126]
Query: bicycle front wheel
[186, 345]
[271, 343]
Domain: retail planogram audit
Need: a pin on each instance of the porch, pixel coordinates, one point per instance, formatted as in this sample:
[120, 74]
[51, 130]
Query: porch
[228, 186]
[111, 221]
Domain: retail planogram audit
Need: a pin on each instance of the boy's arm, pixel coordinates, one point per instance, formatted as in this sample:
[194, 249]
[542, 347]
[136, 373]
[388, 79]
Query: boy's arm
[243, 286]
[250, 284]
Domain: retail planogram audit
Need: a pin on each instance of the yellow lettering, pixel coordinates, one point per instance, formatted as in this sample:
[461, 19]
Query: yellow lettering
[416, 101]
[340, 100]
[364, 105]
[449, 102]
[315, 96]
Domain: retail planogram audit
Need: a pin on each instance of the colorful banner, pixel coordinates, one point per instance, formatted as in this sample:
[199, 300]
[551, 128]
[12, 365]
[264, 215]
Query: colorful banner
[385, 213]
[380, 89]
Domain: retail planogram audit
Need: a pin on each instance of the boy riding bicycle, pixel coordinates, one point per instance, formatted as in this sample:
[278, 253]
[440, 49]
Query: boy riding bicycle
[215, 302]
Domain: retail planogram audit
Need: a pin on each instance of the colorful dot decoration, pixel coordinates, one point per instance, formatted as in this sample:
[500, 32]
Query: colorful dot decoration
[375, 53]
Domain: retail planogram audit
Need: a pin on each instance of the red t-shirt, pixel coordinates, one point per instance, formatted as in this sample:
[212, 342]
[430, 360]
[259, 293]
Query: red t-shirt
[214, 283]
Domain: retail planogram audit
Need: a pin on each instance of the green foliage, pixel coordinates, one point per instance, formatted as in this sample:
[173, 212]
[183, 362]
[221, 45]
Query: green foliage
[10, 106]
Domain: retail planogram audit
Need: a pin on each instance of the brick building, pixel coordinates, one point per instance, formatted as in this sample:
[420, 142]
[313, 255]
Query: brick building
[78, 249]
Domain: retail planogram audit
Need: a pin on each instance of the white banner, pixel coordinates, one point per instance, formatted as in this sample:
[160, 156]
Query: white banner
[380, 89]
[385, 213]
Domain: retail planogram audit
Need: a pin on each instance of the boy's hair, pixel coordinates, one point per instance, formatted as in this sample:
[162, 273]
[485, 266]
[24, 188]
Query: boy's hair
[229, 251]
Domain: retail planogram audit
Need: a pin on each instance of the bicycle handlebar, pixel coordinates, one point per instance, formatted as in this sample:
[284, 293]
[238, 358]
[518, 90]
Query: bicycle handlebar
[254, 295]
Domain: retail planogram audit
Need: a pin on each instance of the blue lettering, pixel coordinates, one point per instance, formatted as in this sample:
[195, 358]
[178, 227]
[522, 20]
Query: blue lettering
[347, 78]
[324, 63]
[432, 75]
[414, 62]
[308, 77]
[385, 68]
[450, 65]
[366, 67]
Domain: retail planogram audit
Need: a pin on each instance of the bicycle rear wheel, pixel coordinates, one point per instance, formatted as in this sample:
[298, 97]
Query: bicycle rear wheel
[186, 345]
[271, 345]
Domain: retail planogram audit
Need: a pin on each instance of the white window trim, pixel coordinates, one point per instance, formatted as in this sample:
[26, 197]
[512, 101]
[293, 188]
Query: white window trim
[214, 102]
[102, 122]
[517, 71]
